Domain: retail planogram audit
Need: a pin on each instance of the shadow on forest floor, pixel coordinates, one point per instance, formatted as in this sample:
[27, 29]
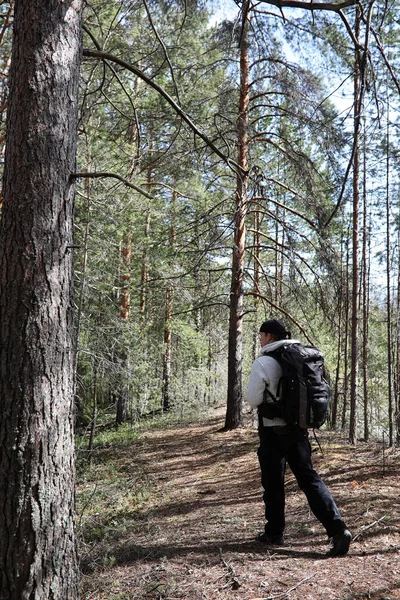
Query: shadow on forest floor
[174, 514]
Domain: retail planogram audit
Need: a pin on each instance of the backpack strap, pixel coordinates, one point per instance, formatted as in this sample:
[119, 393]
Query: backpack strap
[270, 410]
[267, 392]
[275, 354]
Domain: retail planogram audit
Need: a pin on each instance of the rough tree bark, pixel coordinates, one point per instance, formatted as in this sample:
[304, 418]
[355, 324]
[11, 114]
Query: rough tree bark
[233, 417]
[38, 556]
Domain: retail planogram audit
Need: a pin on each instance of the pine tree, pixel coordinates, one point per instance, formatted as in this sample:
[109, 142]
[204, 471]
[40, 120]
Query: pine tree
[38, 554]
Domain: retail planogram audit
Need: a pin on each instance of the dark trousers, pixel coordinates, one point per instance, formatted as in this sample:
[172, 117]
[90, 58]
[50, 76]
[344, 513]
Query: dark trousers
[279, 445]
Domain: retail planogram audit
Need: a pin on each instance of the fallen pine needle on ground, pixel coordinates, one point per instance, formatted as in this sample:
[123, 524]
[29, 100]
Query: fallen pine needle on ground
[172, 512]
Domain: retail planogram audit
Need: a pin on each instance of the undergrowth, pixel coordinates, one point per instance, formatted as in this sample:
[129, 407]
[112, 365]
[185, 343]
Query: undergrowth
[110, 490]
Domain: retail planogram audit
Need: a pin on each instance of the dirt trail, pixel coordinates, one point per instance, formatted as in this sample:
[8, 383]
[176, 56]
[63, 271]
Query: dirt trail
[193, 536]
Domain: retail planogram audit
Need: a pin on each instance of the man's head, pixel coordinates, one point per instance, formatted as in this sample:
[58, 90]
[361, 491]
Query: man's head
[273, 330]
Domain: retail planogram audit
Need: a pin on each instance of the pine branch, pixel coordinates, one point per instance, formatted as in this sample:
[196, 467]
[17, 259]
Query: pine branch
[283, 223]
[163, 47]
[281, 310]
[112, 58]
[285, 207]
[282, 249]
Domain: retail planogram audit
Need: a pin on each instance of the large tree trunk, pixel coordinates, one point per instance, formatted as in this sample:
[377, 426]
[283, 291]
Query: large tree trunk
[6, 26]
[38, 556]
[235, 347]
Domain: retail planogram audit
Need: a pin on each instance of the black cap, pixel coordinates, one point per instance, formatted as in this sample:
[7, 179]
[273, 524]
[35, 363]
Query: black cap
[276, 328]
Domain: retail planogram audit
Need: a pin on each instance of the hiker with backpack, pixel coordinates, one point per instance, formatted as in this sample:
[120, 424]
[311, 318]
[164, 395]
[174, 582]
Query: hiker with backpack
[288, 388]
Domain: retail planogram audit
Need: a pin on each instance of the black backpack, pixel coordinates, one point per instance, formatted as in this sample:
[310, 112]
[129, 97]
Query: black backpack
[302, 390]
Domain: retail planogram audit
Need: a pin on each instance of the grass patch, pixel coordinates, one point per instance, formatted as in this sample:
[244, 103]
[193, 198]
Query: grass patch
[110, 487]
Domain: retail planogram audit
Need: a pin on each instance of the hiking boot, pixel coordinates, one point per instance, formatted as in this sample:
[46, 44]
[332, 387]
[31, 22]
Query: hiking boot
[341, 542]
[270, 540]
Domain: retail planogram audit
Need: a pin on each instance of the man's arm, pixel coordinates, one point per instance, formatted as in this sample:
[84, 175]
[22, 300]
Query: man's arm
[256, 385]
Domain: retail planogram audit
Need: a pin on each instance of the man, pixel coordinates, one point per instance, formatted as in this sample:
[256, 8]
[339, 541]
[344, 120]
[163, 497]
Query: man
[279, 443]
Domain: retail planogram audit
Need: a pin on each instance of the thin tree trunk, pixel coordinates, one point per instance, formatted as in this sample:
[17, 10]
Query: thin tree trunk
[335, 403]
[209, 369]
[122, 412]
[365, 293]
[145, 269]
[78, 317]
[388, 291]
[346, 337]
[355, 275]
[397, 376]
[282, 262]
[126, 258]
[38, 551]
[210, 353]
[235, 346]
[277, 254]
[94, 415]
[256, 262]
[145, 258]
[167, 357]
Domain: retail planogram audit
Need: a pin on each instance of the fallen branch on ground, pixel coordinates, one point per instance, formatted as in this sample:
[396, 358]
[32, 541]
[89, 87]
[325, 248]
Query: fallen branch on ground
[284, 594]
[232, 580]
[364, 529]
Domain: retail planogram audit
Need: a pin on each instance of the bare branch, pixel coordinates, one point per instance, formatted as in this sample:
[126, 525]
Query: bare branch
[385, 59]
[98, 175]
[359, 104]
[366, 527]
[332, 6]
[350, 31]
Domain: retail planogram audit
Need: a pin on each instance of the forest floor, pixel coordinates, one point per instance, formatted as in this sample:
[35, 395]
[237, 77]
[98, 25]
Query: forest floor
[173, 515]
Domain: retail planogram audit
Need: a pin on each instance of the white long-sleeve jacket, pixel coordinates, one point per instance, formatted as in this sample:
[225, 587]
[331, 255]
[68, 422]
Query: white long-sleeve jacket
[266, 371]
